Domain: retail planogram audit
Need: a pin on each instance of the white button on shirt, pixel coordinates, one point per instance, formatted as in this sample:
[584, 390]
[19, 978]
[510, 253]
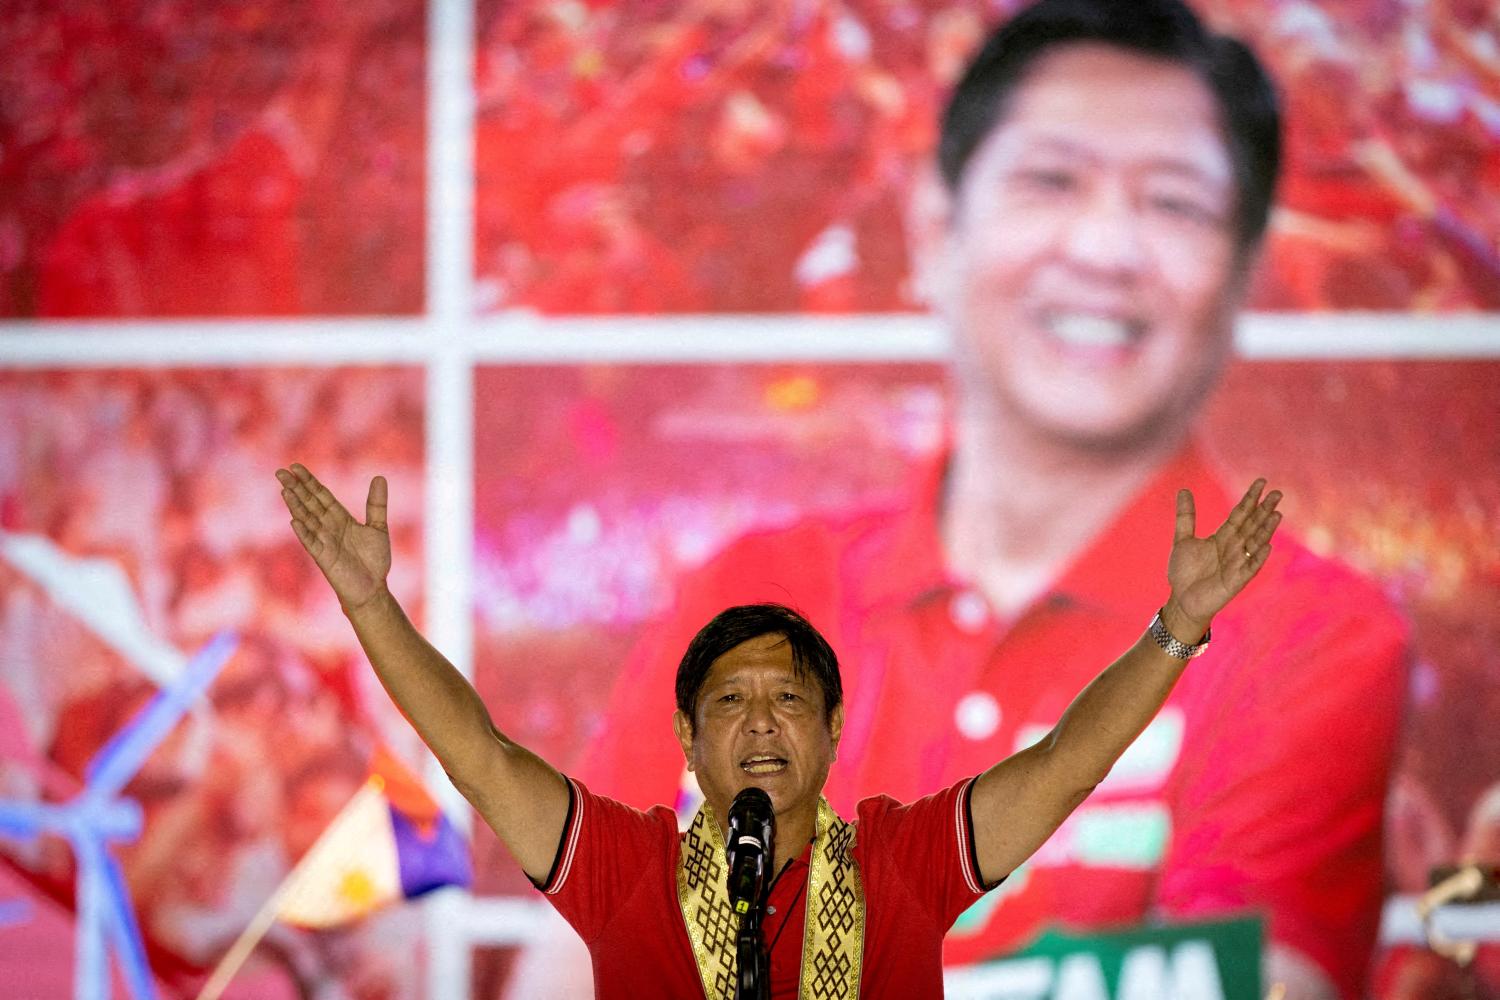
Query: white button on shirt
[969, 611]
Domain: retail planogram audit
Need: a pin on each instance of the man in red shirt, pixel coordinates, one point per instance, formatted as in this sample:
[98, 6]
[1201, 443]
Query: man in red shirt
[760, 705]
[615, 881]
[1107, 171]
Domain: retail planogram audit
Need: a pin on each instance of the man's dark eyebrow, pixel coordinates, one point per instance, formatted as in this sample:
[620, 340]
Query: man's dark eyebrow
[798, 677]
[1172, 165]
[1057, 144]
[1189, 171]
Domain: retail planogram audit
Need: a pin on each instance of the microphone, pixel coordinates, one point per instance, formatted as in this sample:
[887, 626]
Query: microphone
[752, 847]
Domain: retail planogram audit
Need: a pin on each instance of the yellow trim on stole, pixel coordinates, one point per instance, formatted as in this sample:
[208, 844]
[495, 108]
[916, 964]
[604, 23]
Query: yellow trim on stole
[833, 944]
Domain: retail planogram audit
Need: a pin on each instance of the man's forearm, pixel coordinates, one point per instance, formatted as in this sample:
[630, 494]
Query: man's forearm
[436, 699]
[521, 797]
[1108, 714]
[1023, 799]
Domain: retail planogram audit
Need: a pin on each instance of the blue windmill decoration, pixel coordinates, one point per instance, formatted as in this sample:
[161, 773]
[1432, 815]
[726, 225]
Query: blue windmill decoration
[99, 816]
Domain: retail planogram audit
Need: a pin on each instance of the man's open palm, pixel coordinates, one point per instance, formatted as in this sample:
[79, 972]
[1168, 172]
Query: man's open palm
[354, 557]
[1206, 572]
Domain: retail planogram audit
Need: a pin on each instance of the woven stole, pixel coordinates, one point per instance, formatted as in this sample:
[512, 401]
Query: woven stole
[833, 945]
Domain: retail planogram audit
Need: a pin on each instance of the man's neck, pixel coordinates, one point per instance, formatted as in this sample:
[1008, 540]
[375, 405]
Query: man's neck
[793, 834]
[1019, 507]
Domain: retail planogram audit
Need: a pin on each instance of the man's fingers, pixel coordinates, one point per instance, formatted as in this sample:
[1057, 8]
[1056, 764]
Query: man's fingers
[1249, 531]
[1252, 539]
[301, 474]
[1187, 516]
[1258, 559]
[299, 484]
[1266, 512]
[1246, 506]
[375, 503]
[306, 537]
[295, 505]
[294, 492]
[289, 483]
[324, 495]
[1262, 536]
[321, 498]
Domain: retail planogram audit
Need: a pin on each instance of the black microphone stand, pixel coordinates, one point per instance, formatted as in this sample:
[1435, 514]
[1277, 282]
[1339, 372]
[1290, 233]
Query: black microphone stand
[750, 949]
[752, 825]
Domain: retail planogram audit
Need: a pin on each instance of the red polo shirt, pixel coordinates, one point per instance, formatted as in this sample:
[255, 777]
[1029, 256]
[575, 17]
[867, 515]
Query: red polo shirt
[615, 881]
[1258, 788]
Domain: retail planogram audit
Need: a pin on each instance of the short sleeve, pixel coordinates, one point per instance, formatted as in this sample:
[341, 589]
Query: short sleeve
[929, 844]
[607, 852]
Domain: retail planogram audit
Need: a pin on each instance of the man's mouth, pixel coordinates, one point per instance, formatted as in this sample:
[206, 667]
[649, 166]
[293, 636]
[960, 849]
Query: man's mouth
[762, 764]
[1091, 331]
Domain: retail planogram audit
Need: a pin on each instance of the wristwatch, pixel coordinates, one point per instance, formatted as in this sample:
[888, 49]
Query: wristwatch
[1174, 646]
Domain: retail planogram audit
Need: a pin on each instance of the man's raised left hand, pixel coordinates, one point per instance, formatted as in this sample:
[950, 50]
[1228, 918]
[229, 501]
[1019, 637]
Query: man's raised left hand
[1205, 573]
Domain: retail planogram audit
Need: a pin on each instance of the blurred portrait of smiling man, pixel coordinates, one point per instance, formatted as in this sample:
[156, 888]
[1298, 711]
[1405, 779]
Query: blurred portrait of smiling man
[1087, 259]
[1085, 237]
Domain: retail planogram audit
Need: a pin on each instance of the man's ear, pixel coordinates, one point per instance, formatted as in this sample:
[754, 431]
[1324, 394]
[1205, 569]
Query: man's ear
[836, 727]
[929, 214]
[683, 726]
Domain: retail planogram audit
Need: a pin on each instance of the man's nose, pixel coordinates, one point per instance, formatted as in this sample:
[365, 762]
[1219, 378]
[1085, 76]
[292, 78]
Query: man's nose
[760, 716]
[1105, 237]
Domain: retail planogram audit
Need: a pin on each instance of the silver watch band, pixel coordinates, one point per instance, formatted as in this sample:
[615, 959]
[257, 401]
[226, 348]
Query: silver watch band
[1174, 646]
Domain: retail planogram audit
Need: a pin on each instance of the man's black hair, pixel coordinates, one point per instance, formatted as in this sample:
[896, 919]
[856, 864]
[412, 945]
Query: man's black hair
[1163, 29]
[811, 653]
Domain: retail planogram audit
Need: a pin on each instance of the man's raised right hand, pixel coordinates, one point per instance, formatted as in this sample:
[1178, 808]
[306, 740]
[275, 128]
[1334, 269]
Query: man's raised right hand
[354, 557]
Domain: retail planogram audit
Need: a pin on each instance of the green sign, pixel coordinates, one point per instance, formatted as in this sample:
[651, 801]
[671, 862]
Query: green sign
[1206, 961]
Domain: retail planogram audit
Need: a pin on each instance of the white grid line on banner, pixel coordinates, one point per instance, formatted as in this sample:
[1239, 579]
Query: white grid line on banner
[449, 407]
[199, 343]
[522, 338]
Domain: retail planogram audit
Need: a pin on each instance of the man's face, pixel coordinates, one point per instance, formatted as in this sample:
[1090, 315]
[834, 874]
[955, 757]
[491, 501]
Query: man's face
[759, 723]
[1087, 265]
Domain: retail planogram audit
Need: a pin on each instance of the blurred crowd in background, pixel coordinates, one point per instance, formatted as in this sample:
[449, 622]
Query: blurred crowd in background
[163, 158]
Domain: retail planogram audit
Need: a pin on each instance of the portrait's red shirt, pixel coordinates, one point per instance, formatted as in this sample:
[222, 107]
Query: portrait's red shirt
[1258, 789]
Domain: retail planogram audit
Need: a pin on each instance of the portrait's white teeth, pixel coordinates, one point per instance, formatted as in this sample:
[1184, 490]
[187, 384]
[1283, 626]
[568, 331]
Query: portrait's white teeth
[1084, 330]
[764, 765]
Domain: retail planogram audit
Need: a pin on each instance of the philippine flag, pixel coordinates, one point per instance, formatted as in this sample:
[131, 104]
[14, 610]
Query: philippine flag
[391, 842]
